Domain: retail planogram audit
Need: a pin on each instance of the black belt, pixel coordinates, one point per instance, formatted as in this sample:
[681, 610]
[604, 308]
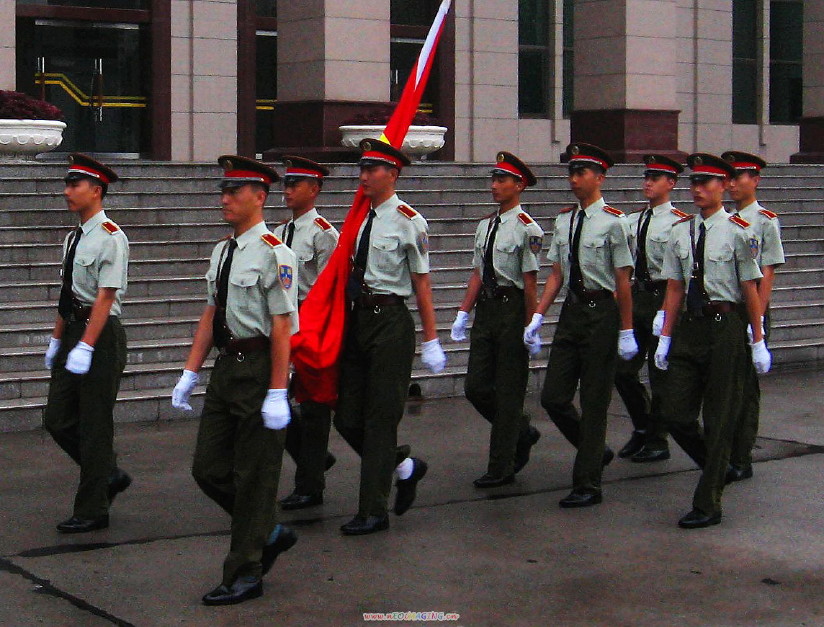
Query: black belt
[505, 293]
[79, 313]
[366, 300]
[589, 297]
[650, 286]
[713, 308]
[246, 345]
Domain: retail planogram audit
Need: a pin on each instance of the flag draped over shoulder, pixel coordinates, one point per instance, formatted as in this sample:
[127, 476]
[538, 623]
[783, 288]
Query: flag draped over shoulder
[317, 346]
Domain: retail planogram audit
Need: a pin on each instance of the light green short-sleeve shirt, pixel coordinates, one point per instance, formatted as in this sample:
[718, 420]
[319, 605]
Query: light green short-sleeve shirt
[399, 246]
[262, 282]
[518, 243]
[658, 233]
[603, 248]
[728, 258]
[101, 260]
[765, 228]
[313, 242]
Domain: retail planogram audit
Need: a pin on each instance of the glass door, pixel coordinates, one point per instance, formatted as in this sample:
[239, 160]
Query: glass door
[97, 73]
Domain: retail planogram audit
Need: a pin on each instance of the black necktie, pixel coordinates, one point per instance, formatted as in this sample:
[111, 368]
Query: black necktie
[220, 330]
[696, 296]
[489, 279]
[641, 265]
[576, 279]
[64, 305]
[363, 245]
[290, 233]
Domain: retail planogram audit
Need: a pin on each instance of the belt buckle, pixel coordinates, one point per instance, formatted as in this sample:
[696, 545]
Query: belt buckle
[240, 358]
[376, 309]
[718, 316]
[591, 304]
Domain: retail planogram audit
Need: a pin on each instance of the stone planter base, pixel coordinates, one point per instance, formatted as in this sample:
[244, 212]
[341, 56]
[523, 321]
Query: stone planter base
[23, 139]
[419, 142]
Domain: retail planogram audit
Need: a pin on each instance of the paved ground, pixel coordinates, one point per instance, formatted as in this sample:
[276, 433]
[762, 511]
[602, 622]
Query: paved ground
[503, 557]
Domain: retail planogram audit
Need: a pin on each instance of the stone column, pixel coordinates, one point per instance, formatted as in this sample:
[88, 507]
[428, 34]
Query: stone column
[625, 76]
[8, 80]
[811, 149]
[333, 61]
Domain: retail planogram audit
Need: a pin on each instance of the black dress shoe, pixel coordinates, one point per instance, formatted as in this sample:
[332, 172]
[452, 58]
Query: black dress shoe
[524, 447]
[301, 501]
[286, 540]
[697, 519]
[362, 525]
[650, 455]
[118, 482]
[635, 444]
[580, 499]
[609, 455]
[243, 589]
[406, 489]
[82, 525]
[491, 481]
[330, 460]
[737, 473]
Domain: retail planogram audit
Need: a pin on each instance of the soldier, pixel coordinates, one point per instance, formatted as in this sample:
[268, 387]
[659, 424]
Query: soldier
[391, 261]
[650, 228]
[590, 247]
[765, 234]
[709, 259]
[312, 239]
[250, 315]
[87, 350]
[503, 284]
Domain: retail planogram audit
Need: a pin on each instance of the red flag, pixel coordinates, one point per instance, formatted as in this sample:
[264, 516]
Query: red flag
[317, 346]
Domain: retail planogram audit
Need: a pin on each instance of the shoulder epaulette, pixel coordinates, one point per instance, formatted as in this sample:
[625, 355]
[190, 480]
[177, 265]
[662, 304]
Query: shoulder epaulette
[687, 219]
[271, 240]
[323, 223]
[407, 211]
[769, 214]
[111, 227]
[613, 211]
[568, 209]
[524, 218]
[737, 219]
[680, 214]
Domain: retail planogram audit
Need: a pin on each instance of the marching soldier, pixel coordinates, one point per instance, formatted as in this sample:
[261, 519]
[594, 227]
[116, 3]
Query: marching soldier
[87, 351]
[312, 238]
[766, 231]
[709, 259]
[391, 261]
[250, 315]
[502, 288]
[650, 228]
[590, 253]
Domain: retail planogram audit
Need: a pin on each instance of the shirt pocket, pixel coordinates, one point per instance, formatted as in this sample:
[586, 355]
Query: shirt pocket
[386, 253]
[85, 271]
[244, 289]
[720, 264]
[657, 245]
[594, 251]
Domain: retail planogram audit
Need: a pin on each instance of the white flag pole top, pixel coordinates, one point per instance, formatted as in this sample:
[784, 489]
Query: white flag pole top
[430, 39]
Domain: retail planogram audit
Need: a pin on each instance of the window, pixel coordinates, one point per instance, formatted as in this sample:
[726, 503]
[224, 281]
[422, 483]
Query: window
[410, 22]
[567, 88]
[533, 58]
[786, 26]
[745, 83]
[266, 87]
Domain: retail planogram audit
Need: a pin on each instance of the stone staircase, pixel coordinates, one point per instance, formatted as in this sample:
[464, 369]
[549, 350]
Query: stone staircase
[169, 212]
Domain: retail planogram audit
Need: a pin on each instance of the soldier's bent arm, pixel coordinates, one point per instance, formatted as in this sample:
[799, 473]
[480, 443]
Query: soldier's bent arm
[202, 342]
[754, 308]
[553, 285]
[673, 298]
[472, 291]
[423, 297]
[624, 294]
[100, 314]
[530, 295]
[765, 287]
[280, 342]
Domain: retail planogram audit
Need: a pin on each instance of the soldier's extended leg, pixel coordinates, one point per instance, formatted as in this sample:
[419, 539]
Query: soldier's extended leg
[562, 374]
[314, 423]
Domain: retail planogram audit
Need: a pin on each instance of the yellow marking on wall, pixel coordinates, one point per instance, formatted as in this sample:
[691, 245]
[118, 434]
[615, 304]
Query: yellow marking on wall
[83, 99]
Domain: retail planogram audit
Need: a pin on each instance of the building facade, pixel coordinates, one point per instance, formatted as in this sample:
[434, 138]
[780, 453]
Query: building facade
[186, 80]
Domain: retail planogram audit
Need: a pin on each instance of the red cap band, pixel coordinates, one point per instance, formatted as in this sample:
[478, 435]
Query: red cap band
[81, 169]
[589, 159]
[710, 170]
[379, 156]
[503, 165]
[744, 165]
[247, 174]
[303, 172]
[662, 167]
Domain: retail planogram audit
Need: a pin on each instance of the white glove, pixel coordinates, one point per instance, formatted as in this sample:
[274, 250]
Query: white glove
[432, 356]
[459, 326]
[533, 344]
[275, 410]
[662, 351]
[658, 322]
[80, 358]
[183, 390]
[627, 346]
[51, 351]
[761, 358]
[749, 331]
[532, 331]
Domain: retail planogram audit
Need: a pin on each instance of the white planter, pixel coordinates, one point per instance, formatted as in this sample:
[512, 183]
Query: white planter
[21, 139]
[419, 141]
